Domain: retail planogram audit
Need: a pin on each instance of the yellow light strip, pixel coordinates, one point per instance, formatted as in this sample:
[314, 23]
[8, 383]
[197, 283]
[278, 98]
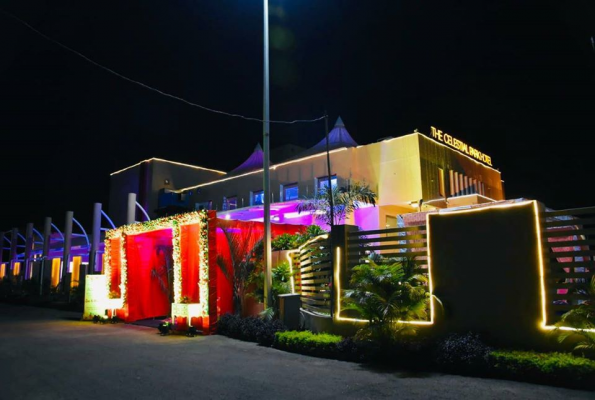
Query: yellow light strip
[543, 294]
[461, 197]
[445, 211]
[337, 314]
[541, 266]
[458, 152]
[170, 162]
[290, 259]
[430, 280]
[272, 168]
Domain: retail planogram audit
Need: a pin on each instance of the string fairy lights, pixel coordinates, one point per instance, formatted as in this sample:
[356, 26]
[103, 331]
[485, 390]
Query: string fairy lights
[174, 223]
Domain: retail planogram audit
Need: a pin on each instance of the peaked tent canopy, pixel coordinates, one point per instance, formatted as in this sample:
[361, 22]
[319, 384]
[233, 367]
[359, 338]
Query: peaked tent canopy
[252, 163]
[338, 137]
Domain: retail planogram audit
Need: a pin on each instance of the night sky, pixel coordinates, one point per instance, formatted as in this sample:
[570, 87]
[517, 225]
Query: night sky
[515, 79]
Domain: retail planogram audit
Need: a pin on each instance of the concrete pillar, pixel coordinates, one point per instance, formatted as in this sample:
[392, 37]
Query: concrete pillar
[28, 250]
[14, 239]
[67, 244]
[131, 209]
[47, 233]
[95, 237]
[339, 257]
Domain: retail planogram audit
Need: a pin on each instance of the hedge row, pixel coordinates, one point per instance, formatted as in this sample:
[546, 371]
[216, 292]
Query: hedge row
[559, 369]
[251, 329]
[305, 342]
[461, 354]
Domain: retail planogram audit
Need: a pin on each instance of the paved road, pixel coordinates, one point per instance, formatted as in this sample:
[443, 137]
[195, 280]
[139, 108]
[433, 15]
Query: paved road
[48, 354]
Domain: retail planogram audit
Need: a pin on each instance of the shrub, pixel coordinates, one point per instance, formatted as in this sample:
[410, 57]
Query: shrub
[284, 241]
[265, 336]
[462, 353]
[384, 294]
[306, 342]
[229, 325]
[251, 329]
[348, 349]
[561, 369]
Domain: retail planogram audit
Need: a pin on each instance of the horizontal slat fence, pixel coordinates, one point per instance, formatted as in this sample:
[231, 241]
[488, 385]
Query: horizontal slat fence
[316, 270]
[410, 241]
[405, 242]
[297, 277]
[568, 242]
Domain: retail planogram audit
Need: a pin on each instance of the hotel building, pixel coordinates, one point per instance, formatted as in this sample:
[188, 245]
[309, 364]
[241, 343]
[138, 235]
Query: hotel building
[409, 173]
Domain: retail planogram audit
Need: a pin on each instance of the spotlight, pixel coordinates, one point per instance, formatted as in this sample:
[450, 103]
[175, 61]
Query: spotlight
[191, 332]
[164, 328]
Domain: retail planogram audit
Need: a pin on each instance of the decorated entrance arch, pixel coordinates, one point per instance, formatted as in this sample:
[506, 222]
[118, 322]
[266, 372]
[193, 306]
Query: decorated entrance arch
[172, 266]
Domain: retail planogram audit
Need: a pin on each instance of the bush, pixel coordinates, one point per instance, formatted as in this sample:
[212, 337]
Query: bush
[266, 333]
[284, 241]
[251, 329]
[560, 369]
[229, 325]
[462, 353]
[306, 342]
[349, 350]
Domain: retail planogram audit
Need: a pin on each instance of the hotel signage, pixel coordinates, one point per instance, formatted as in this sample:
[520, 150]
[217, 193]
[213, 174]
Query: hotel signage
[460, 146]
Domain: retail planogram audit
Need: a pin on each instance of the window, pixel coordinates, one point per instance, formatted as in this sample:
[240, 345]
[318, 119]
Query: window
[441, 189]
[257, 198]
[456, 184]
[290, 192]
[230, 203]
[451, 182]
[323, 181]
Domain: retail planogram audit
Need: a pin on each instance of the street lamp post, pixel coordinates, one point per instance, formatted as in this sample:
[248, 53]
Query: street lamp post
[268, 281]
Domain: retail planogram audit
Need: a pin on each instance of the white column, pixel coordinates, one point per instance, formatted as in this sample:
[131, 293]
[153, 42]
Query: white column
[131, 209]
[47, 233]
[14, 239]
[95, 236]
[28, 250]
[67, 244]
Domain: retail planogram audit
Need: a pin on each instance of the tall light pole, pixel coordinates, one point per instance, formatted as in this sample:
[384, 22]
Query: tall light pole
[268, 280]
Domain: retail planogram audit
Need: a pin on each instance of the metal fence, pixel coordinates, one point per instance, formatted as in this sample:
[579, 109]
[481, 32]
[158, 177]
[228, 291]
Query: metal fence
[568, 238]
[410, 242]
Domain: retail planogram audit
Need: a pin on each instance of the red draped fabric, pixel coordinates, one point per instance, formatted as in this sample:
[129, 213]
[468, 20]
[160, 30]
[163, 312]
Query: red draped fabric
[149, 257]
[243, 236]
[115, 267]
[190, 257]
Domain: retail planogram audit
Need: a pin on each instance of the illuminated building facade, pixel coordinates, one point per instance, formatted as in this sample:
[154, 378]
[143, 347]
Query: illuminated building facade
[409, 173]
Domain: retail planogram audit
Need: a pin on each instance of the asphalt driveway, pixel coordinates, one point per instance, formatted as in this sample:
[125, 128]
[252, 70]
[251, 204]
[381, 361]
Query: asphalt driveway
[49, 354]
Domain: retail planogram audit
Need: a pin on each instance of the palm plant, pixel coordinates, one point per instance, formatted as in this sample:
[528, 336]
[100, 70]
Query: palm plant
[386, 295]
[345, 200]
[582, 319]
[165, 273]
[246, 253]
